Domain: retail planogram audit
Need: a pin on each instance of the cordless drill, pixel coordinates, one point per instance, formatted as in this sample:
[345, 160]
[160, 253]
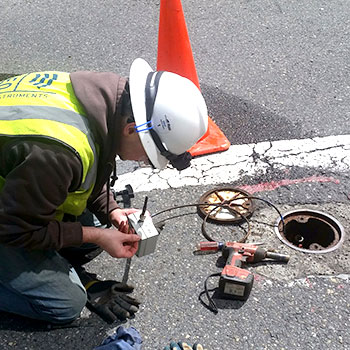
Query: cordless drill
[236, 282]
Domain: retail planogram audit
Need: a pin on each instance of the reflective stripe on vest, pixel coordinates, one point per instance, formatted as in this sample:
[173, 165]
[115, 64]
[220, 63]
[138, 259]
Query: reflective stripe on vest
[44, 105]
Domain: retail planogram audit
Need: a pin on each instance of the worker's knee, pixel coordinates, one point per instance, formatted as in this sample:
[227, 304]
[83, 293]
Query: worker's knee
[67, 313]
[64, 310]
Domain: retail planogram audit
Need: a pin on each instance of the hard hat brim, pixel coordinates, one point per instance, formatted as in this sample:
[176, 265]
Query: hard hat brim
[137, 79]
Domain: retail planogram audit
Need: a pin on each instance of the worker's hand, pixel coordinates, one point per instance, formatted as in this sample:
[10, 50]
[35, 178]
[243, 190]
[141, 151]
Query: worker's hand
[119, 244]
[110, 300]
[116, 243]
[119, 219]
[183, 346]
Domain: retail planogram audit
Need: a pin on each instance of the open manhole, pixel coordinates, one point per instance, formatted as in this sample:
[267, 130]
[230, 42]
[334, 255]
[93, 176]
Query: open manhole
[310, 231]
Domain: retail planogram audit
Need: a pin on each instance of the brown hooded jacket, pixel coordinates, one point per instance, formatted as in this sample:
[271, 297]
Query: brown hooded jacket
[40, 174]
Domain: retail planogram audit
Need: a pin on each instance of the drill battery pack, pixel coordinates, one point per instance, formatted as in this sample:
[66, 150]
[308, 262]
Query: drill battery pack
[235, 283]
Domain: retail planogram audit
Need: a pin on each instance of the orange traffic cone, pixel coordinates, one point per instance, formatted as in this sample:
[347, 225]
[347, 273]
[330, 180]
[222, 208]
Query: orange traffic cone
[175, 55]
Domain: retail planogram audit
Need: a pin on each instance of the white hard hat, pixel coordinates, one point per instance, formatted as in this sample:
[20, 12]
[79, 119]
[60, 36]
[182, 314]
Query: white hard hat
[170, 114]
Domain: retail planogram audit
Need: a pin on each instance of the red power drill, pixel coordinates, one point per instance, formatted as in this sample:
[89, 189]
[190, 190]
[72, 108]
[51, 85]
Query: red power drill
[235, 282]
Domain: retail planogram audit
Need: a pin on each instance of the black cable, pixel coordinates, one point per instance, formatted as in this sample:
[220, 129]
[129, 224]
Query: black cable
[161, 223]
[273, 206]
[211, 304]
[109, 224]
[223, 205]
[188, 205]
[209, 238]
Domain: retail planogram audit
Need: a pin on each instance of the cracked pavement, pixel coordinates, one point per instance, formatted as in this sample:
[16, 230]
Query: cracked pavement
[330, 153]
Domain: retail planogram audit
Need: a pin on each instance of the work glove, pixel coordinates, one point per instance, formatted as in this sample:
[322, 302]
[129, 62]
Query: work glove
[183, 346]
[110, 300]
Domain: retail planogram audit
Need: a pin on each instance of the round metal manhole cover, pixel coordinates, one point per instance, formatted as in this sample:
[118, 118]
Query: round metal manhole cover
[236, 205]
[310, 231]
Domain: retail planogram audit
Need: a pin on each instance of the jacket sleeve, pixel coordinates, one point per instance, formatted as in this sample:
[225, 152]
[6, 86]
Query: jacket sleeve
[98, 205]
[38, 177]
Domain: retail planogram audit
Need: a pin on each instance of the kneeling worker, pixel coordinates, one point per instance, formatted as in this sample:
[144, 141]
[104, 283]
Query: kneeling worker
[59, 136]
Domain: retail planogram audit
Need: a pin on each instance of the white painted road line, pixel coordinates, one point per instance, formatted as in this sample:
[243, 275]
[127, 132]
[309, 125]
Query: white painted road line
[332, 153]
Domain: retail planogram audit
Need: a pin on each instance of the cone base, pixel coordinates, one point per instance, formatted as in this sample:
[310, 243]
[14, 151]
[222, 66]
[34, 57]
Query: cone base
[213, 141]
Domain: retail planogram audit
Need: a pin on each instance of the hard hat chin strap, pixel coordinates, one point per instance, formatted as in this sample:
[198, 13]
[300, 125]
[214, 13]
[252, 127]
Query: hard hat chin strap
[181, 161]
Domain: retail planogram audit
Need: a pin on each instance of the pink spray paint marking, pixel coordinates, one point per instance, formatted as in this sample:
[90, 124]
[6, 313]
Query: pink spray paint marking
[270, 186]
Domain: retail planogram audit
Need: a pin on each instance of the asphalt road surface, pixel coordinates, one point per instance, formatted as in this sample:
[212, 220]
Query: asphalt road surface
[275, 75]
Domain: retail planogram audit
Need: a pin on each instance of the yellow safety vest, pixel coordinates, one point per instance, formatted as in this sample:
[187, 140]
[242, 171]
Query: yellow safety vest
[43, 104]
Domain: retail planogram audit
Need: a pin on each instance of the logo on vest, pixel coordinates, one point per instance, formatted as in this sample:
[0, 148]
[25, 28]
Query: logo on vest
[43, 80]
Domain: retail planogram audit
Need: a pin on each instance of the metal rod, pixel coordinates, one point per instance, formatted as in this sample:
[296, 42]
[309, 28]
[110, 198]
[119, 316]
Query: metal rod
[126, 270]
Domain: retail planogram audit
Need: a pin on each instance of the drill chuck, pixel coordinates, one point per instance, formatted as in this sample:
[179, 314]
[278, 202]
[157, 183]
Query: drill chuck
[277, 256]
[261, 254]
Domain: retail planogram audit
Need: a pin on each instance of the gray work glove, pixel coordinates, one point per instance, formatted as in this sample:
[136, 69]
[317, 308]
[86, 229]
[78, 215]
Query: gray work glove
[110, 300]
[183, 346]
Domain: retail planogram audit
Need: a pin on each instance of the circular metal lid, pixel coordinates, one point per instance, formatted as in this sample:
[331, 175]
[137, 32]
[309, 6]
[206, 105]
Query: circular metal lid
[226, 205]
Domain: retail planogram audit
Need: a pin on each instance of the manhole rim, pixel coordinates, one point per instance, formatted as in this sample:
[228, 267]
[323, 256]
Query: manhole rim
[335, 222]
